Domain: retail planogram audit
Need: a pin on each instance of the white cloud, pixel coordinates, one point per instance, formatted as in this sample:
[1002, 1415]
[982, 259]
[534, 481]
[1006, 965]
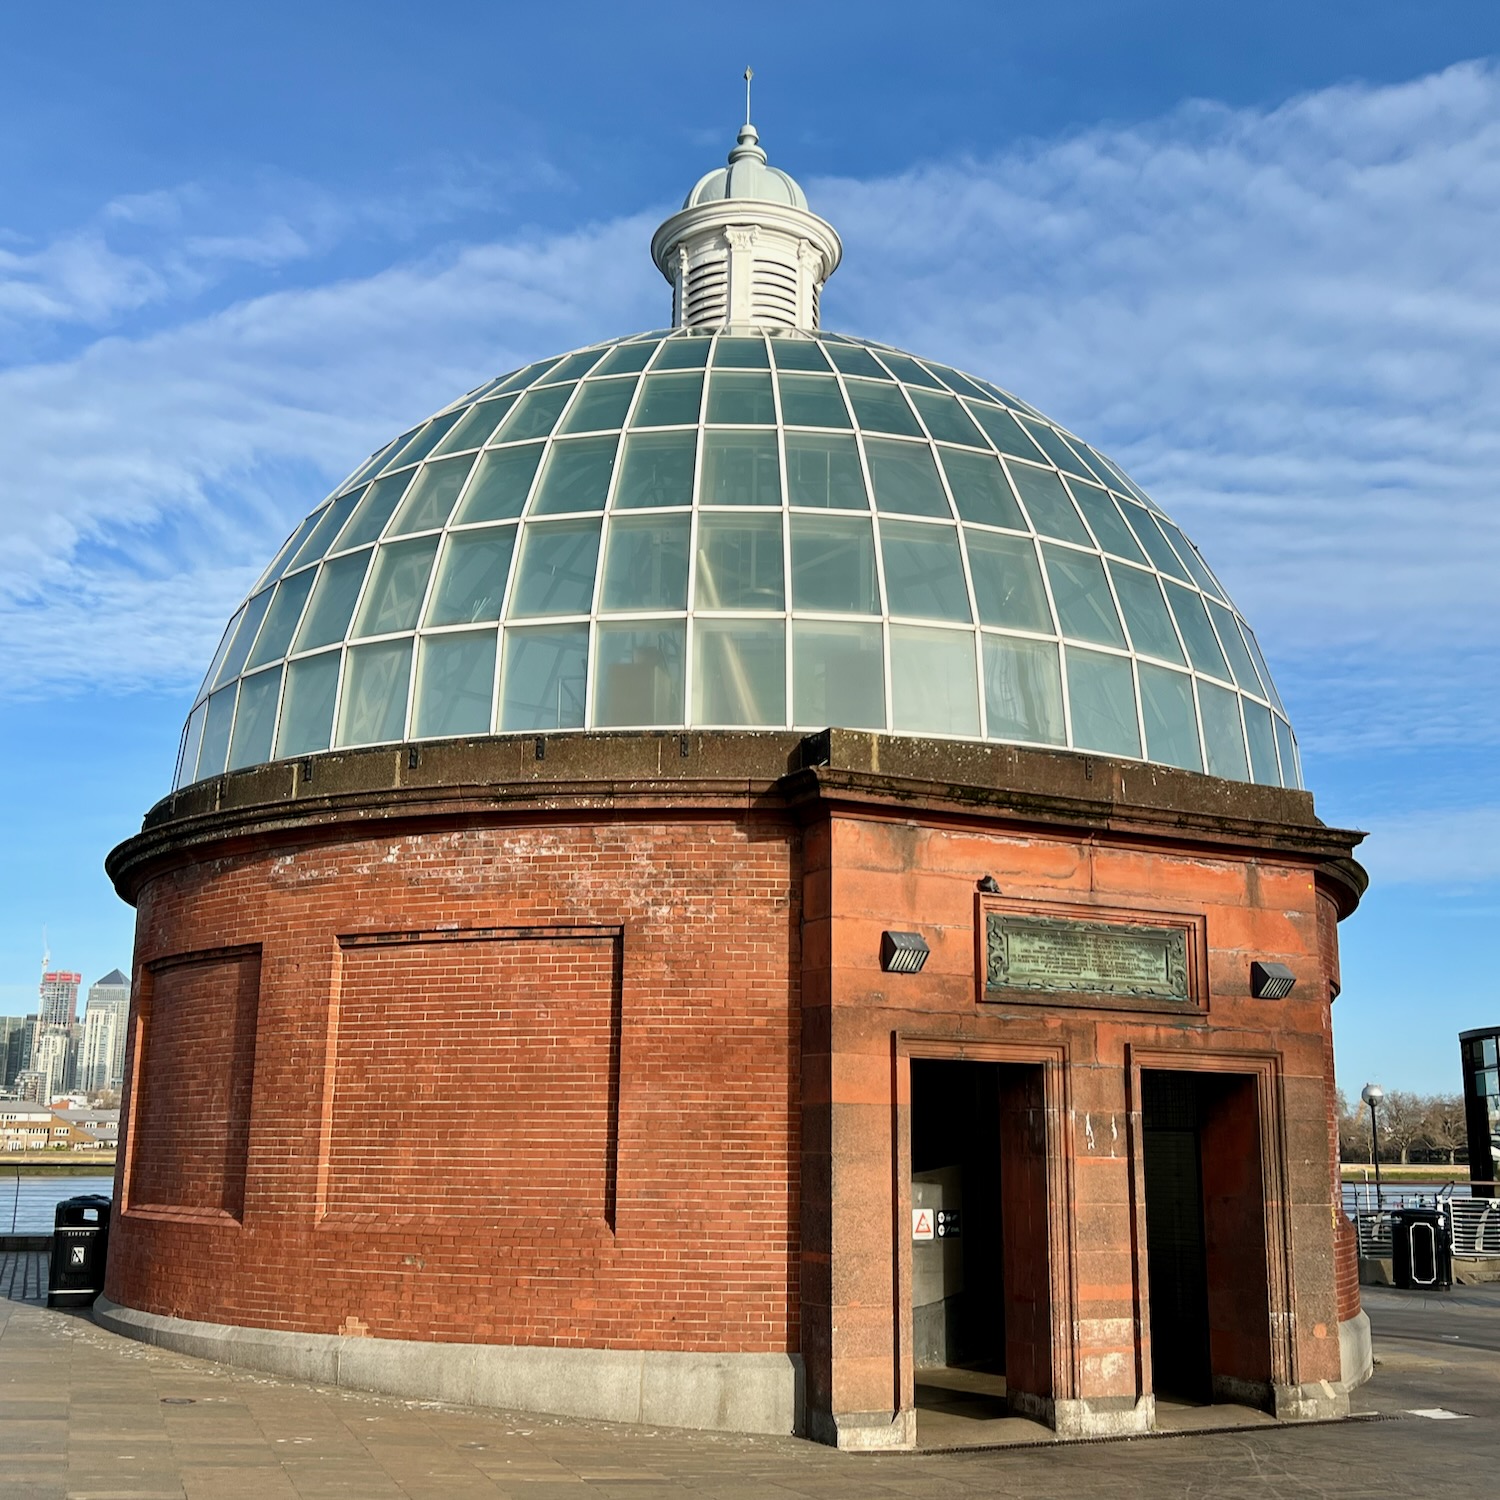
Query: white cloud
[1450, 847]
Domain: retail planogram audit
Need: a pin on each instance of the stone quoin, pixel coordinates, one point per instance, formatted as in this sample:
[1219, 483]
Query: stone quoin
[683, 811]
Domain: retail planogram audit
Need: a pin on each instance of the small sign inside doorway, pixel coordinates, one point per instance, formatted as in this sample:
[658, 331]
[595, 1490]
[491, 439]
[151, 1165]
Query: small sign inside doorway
[922, 1227]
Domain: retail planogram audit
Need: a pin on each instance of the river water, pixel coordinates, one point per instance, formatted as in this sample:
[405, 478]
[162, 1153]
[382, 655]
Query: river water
[29, 1201]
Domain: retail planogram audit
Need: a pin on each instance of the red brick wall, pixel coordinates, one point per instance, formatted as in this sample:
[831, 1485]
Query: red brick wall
[190, 1123]
[505, 1235]
[499, 1053]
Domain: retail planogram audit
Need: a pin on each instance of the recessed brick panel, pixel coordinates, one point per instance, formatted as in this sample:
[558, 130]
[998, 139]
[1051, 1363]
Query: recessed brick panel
[500, 1054]
[191, 1126]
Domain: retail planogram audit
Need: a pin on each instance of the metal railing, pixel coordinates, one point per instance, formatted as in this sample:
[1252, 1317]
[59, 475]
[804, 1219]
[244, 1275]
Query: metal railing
[1474, 1226]
[1374, 1231]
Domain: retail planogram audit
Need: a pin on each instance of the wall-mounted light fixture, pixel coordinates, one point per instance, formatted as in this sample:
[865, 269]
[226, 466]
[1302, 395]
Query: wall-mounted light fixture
[1271, 981]
[903, 952]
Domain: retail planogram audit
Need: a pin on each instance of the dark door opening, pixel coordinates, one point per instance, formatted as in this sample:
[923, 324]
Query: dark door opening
[981, 1311]
[1205, 1237]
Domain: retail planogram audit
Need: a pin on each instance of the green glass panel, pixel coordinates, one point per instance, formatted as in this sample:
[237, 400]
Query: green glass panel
[905, 479]
[854, 361]
[689, 353]
[1221, 732]
[255, 719]
[1262, 739]
[426, 439]
[1195, 564]
[740, 564]
[740, 468]
[838, 675]
[657, 469]
[1048, 504]
[573, 366]
[500, 485]
[600, 407]
[638, 676]
[535, 414]
[215, 747]
[1234, 648]
[1171, 718]
[1108, 525]
[1085, 610]
[398, 583]
[289, 550]
[475, 429]
[376, 679]
[833, 565]
[555, 572]
[934, 681]
[740, 354]
[429, 502]
[958, 381]
[924, 574]
[281, 621]
[455, 684]
[327, 618]
[527, 376]
[471, 579]
[321, 538]
[1262, 670]
[627, 359]
[906, 369]
[646, 563]
[307, 707]
[225, 641]
[1023, 691]
[544, 678]
[979, 489]
[1052, 444]
[192, 742]
[368, 521]
[1146, 616]
[812, 401]
[576, 477]
[739, 672]
[1287, 754]
[946, 419]
[1101, 697]
[742, 397]
[882, 408]
[244, 637]
[798, 354]
[1008, 582]
[1158, 549]
[1005, 433]
[1192, 621]
[668, 401]
[824, 472]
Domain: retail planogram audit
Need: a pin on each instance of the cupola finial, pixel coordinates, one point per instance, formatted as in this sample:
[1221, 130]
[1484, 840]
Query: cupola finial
[749, 74]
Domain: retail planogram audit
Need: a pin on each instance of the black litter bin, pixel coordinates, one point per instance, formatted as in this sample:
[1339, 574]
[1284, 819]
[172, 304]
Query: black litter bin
[80, 1241]
[1421, 1254]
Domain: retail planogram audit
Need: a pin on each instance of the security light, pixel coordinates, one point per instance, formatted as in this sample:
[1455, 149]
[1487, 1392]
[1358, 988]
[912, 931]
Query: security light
[902, 952]
[1271, 981]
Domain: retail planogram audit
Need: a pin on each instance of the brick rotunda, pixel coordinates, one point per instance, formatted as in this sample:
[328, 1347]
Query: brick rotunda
[738, 877]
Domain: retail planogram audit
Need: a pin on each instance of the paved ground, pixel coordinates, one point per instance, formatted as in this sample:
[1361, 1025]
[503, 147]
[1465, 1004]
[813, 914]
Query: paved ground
[85, 1415]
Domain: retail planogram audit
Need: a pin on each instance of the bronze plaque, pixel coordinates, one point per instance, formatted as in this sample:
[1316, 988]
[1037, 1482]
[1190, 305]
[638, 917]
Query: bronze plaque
[1062, 956]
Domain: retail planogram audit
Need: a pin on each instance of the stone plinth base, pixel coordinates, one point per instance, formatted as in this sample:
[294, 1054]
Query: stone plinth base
[863, 1431]
[713, 1392]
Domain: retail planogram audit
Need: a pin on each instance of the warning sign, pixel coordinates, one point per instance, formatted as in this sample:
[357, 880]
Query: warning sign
[922, 1224]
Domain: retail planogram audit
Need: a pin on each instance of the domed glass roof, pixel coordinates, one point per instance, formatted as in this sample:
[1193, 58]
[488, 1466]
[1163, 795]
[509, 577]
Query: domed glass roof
[733, 529]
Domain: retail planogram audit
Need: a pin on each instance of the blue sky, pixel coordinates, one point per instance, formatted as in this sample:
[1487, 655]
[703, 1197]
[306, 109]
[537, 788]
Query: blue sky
[1250, 253]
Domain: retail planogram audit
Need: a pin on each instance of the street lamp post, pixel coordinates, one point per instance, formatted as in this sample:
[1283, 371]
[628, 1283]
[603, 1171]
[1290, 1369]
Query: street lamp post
[1372, 1094]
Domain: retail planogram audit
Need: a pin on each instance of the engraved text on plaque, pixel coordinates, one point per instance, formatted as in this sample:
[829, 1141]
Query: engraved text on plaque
[1059, 955]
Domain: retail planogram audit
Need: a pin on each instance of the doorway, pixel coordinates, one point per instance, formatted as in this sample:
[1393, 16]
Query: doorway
[980, 1298]
[1206, 1263]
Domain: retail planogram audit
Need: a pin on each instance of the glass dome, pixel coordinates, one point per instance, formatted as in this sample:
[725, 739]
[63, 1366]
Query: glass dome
[735, 529]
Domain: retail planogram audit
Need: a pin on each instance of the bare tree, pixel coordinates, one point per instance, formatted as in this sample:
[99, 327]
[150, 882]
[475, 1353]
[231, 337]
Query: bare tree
[1401, 1123]
[1444, 1126]
[1354, 1129]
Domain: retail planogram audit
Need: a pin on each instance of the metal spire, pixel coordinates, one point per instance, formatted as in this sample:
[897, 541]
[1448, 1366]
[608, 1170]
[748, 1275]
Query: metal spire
[749, 74]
